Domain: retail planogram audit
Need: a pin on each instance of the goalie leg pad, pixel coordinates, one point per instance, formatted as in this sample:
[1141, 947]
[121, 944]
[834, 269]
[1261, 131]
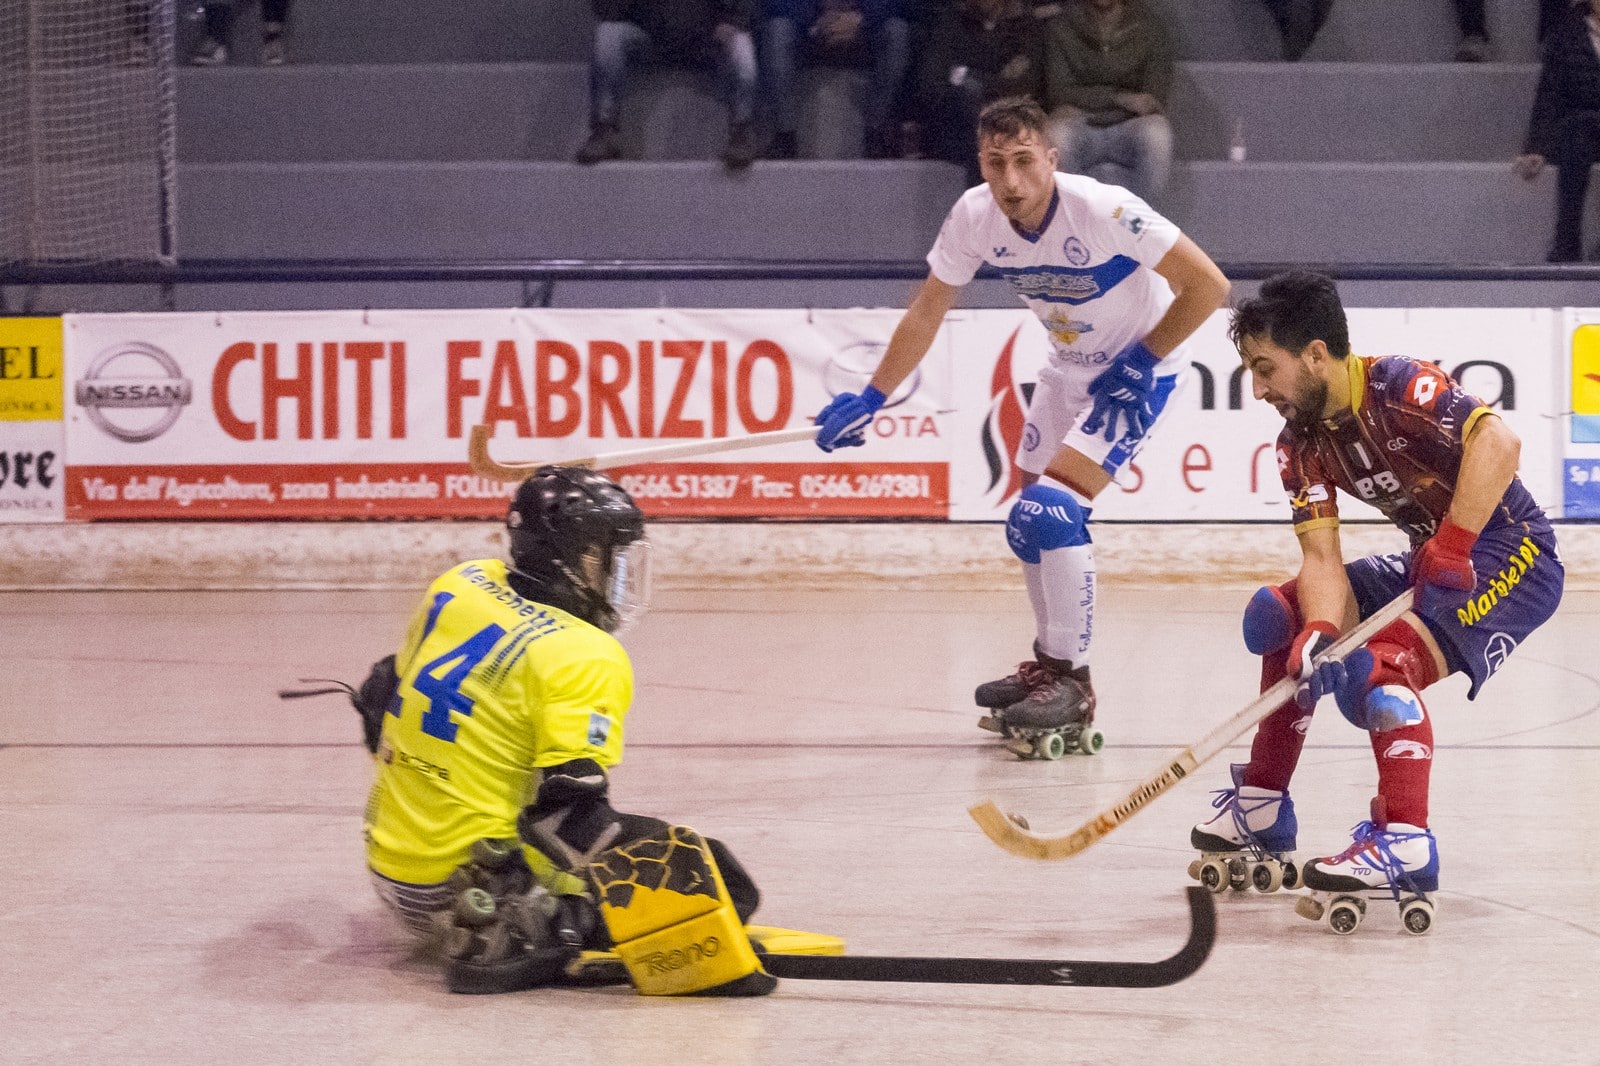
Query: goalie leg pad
[1271, 620]
[668, 910]
[1045, 517]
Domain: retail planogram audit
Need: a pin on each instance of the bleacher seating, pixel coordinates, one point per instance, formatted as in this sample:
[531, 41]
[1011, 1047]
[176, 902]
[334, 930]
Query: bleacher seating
[445, 130]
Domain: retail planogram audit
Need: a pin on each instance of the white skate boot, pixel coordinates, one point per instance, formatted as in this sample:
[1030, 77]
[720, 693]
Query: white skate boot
[1250, 840]
[1385, 860]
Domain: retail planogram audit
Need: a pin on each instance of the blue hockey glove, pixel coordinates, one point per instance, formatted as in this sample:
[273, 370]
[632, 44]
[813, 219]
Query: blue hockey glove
[1123, 388]
[843, 423]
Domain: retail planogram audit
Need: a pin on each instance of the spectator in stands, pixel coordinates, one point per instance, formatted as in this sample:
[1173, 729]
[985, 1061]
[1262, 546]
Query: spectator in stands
[1108, 67]
[1298, 21]
[693, 32]
[213, 49]
[1564, 127]
[1474, 46]
[976, 51]
[875, 34]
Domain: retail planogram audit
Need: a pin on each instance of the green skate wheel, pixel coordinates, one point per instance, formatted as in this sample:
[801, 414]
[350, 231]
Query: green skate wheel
[494, 852]
[1051, 746]
[1416, 916]
[1090, 741]
[475, 907]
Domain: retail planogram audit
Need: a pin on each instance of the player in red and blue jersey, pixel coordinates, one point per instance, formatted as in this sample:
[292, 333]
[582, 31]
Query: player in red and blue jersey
[1438, 463]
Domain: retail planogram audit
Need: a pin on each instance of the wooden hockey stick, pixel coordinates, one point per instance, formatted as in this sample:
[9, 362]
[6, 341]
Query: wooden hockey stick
[1095, 973]
[1006, 831]
[484, 465]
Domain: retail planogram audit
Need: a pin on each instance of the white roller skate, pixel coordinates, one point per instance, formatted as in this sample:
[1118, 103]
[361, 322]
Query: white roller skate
[1385, 860]
[1249, 841]
[1048, 709]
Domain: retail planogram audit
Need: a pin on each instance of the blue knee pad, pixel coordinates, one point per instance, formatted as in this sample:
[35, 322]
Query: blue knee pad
[1045, 517]
[1270, 621]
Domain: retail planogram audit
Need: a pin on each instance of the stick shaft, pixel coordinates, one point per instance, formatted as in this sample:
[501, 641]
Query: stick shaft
[486, 466]
[1001, 829]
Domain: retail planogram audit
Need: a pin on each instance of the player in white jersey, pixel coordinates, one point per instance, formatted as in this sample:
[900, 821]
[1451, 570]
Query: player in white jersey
[1119, 289]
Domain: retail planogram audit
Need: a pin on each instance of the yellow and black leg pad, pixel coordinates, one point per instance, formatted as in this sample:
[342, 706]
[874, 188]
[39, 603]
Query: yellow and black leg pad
[674, 925]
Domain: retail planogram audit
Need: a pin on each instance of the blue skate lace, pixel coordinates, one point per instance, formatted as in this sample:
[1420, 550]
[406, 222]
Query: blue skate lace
[1228, 799]
[1367, 834]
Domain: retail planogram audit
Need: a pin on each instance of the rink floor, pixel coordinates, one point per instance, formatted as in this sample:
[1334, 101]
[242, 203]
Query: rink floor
[186, 880]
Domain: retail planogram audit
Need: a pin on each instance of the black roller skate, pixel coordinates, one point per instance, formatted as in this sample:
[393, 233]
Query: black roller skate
[1042, 710]
[1385, 860]
[502, 937]
[1248, 842]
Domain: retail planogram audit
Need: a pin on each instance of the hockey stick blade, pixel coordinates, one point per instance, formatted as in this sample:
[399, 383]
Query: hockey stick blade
[485, 465]
[1011, 835]
[958, 971]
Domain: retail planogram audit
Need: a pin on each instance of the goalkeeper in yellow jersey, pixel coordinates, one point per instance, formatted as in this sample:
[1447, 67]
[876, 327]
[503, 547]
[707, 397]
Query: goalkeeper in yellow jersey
[494, 727]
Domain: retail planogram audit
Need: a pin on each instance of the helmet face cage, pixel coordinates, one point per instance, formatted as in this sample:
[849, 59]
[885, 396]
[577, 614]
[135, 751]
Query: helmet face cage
[577, 535]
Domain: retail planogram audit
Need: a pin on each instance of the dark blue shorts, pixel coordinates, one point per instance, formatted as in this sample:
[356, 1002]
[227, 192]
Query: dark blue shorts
[1520, 578]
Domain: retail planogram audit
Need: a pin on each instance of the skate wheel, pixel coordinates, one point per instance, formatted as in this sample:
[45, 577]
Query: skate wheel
[475, 907]
[1238, 874]
[1291, 876]
[1214, 875]
[494, 852]
[1017, 820]
[1022, 749]
[991, 723]
[1309, 908]
[1050, 746]
[1194, 870]
[1416, 916]
[1090, 741]
[1344, 916]
[1266, 876]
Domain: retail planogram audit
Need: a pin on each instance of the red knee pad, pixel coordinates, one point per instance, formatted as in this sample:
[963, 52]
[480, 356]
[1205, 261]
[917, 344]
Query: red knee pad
[1401, 657]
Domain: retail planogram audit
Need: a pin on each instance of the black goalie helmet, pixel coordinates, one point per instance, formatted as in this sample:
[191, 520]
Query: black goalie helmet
[578, 538]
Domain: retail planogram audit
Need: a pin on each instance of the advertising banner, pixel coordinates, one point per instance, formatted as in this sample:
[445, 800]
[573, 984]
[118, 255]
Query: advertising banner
[1580, 340]
[1211, 457]
[32, 439]
[365, 414]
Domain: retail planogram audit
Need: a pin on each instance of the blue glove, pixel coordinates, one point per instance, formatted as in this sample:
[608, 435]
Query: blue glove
[843, 423]
[1123, 388]
[1317, 679]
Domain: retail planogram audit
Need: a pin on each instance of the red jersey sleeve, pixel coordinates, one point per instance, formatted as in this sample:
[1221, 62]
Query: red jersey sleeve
[1307, 482]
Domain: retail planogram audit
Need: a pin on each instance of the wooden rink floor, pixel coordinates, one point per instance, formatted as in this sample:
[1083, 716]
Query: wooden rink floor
[186, 878]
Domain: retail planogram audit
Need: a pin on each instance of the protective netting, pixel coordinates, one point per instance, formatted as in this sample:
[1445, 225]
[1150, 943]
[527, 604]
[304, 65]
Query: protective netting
[88, 147]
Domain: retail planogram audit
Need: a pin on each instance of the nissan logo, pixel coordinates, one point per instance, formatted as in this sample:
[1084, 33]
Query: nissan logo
[143, 376]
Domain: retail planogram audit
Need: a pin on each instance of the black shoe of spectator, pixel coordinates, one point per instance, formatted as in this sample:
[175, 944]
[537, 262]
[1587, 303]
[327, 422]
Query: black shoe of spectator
[877, 143]
[1473, 49]
[1565, 252]
[604, 143]
[783, 146]
[741, 148]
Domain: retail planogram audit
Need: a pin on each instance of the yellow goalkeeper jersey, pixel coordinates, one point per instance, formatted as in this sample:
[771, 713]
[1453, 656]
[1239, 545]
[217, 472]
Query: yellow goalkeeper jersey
[493, 687]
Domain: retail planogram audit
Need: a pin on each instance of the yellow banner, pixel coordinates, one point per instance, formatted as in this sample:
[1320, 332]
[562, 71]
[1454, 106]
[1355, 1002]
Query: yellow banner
[31, 381]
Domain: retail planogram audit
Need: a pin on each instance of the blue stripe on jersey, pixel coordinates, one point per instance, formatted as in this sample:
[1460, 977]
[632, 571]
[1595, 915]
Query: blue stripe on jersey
[1069, 285]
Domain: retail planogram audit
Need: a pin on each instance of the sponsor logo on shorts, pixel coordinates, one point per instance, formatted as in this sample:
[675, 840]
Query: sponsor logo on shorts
[1499, 649]
[1408, 749]
[1525, 558]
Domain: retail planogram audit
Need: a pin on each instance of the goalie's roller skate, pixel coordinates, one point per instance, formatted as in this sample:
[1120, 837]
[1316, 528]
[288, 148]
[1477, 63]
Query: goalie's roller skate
[1248, 842]
[1385, 860]
[1043, 710]
[502, 937]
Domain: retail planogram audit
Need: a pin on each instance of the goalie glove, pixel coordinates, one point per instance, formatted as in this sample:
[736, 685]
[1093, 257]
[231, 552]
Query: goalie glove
[378, 694]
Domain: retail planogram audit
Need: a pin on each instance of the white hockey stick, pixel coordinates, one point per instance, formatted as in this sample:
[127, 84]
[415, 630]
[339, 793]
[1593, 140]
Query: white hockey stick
[484, 465]
[1010, 833]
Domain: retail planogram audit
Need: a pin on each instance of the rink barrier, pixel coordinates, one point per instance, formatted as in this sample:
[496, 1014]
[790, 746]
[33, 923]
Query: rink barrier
[687, 555]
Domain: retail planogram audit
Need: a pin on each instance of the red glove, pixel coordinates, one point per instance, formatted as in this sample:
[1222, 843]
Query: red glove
[1445, 560]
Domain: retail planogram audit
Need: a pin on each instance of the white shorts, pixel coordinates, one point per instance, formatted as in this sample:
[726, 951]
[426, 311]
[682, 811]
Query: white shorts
[1056, 413]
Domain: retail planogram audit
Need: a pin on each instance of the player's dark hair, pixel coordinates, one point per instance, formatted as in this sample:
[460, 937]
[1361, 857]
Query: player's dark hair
[1009, 116]
[1291, 310]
